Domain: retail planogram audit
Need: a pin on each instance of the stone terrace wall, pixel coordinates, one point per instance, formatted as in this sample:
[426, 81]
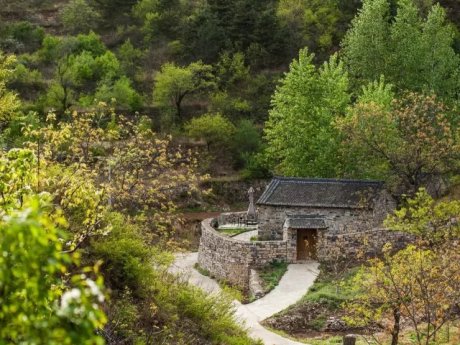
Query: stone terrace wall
[231, 218]
[230, 260]
[370, 243]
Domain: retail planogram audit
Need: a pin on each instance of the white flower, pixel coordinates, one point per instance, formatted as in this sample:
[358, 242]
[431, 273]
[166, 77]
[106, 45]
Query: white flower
[70, 296]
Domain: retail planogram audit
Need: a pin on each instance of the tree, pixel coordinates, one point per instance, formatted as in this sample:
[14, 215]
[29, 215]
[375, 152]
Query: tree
[42, 302]
[79, 17]
[364, 47]
[315, 24]
[302, 140]
[9, 102]
[86, 70]
[413, 51]
[92, 168]
[414, 140]
[249, 25]
[173, 83]
[246, 142]
[431, 221]
[160, 18]
[418, 284]
[215, 129]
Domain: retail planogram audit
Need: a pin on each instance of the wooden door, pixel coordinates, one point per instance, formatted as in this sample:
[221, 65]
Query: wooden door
[306, 244]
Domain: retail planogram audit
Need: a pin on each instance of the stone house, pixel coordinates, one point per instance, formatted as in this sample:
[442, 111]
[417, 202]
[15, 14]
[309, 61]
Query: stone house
[312, 213]
[301, 219]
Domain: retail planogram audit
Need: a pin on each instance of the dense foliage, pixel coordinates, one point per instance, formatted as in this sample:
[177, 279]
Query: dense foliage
[113, 113]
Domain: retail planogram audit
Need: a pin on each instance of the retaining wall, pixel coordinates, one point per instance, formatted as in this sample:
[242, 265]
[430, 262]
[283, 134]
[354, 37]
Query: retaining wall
[230, 260]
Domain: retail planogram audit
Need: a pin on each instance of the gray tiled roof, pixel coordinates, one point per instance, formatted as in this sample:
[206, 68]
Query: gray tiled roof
[305, 222]
[288, 191]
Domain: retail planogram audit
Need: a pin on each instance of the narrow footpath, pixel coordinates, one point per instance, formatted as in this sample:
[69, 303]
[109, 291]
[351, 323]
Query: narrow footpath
[294, 284]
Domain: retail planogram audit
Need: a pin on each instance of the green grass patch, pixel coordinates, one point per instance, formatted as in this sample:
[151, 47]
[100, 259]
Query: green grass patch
[230, 291]
[233, 231]
[331, 292]
[272, 274]
[202, 270]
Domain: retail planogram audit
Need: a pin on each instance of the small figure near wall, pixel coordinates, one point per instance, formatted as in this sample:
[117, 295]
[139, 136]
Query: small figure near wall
[252, 212]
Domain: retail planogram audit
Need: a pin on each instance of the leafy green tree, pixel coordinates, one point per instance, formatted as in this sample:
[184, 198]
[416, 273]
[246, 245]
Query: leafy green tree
[250, 25]
[39, 303]
[302, 139]
[85, 72]
[215, 129]
[160, 18]
[20, 37]
[121, 93]
[246, 142]
[173, 83]
[414, 52]
[231, 70]
[415, 284]
[9, 102]
[316, 24]
[202, 36]
[129, 57]
[412, 140]
[78, 16]
[431, 221]
[365, 46]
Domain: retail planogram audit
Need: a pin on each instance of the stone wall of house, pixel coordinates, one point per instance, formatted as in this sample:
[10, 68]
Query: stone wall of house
[338, 220]
[368, 243]
[352, 245]
[272, 218]
[230, 260]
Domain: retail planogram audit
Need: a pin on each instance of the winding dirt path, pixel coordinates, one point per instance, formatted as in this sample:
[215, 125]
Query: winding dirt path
[294, 284]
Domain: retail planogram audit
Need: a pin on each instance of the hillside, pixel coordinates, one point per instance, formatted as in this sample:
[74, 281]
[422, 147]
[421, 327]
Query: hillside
[123, 123]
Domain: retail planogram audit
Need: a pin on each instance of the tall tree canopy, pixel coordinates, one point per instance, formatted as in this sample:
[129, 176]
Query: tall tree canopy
[300, 132]
[412, 50]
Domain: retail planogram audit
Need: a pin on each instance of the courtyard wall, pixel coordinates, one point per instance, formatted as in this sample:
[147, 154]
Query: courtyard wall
[231, 260]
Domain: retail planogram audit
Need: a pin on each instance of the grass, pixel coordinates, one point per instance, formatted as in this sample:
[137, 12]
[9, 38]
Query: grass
[272, 274]
[231, 291]
[233, 231]
[326, 290]
[202, 270]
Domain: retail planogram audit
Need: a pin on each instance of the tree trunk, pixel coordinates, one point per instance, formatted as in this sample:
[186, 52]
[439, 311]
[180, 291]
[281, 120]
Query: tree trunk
[396, 326]
[349, 340]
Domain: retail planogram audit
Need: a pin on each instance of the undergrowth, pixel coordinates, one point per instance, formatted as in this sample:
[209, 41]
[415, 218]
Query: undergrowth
[272, 274]
[152, 305]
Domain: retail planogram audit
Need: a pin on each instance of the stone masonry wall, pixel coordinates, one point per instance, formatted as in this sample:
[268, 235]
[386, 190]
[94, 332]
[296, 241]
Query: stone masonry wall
[338, 220]
[231, 218]
[370, 243]
[230, 260]
[331, 246]
[271, 220]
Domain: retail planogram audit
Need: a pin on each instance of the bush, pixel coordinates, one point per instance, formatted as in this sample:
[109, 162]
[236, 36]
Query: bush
[79, 17]
[147, 302]
[20, 37]
[215, 129]
[246, 141]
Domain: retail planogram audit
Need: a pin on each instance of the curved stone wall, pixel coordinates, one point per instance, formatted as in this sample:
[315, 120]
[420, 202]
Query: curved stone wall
[230, 260]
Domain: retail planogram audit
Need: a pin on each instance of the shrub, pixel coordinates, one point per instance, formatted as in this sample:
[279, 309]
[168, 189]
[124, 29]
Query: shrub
[79, 17]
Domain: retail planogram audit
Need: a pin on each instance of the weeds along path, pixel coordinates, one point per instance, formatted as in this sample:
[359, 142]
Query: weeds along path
[294, 284]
